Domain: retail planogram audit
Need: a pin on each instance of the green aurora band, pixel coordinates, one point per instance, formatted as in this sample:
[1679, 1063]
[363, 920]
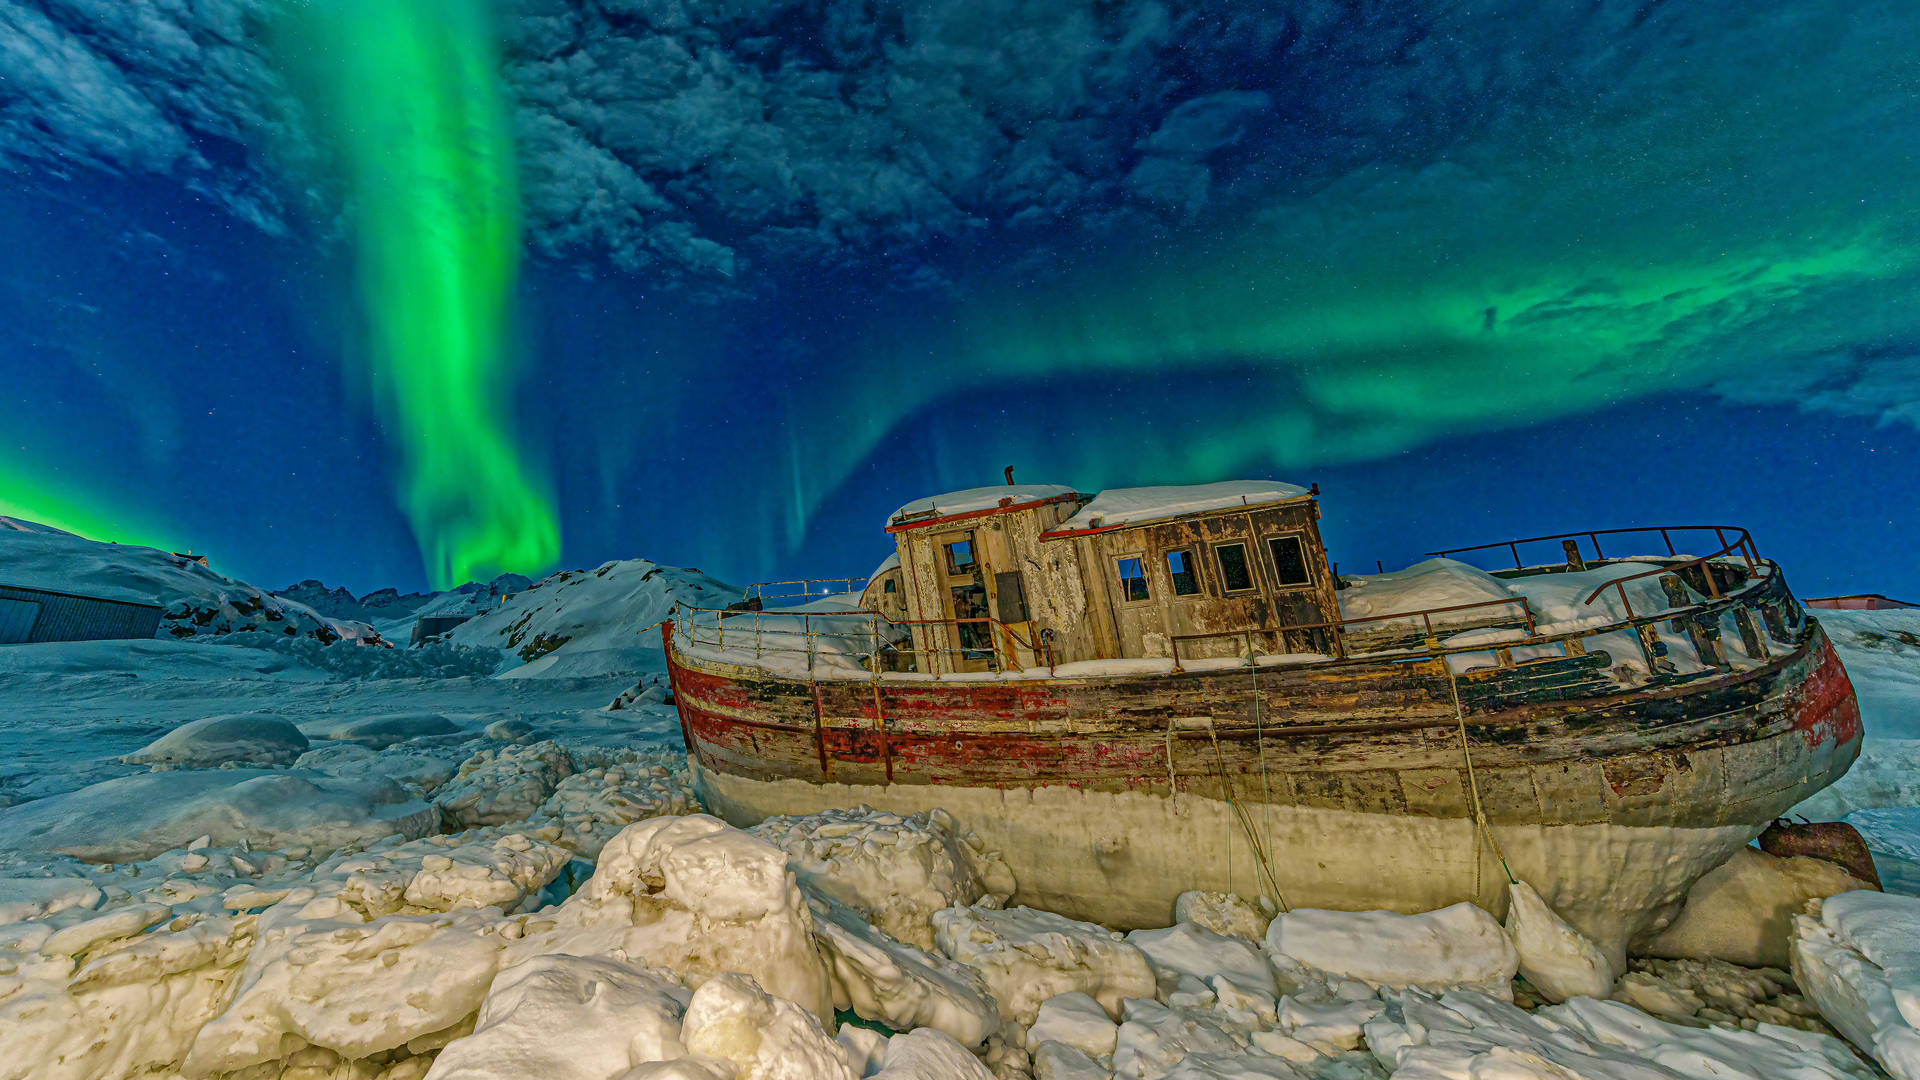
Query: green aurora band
[24, 497]
[408, 92]
[1694, 243]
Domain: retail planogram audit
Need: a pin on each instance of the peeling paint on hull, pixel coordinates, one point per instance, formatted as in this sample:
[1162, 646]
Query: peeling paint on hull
[1610, 801]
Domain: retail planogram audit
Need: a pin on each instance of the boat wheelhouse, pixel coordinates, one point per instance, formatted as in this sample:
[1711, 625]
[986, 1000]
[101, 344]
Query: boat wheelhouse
[1143, 691]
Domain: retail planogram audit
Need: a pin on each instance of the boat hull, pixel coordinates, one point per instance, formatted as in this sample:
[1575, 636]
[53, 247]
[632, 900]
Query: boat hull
[1110, 795]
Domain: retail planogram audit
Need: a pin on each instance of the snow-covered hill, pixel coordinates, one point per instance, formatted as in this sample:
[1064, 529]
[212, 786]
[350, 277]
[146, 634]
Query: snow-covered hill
[197, 601]
[591, 622]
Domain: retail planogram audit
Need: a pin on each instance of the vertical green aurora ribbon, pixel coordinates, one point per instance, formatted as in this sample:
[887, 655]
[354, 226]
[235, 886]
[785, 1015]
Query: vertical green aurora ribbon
[407, 93]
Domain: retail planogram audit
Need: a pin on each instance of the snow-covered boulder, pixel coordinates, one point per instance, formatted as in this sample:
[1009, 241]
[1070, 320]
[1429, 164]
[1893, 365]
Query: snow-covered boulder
[1076, 1020]
[1154, 1038]
[1222, 913]
[247, 738]
[1058, 1061]
[929, 1055]
[1029, 956]
[1858, 958]
[1557, 959]
[382, 731]
[1457, 946]
[1742, 911]
[569, 1018]
[442, 873]
[894, 983]
[494, 787]
[1465, 1034]
[697, 896]
[762, 1036]
[895, 870]
[24, 898]
[138, 817]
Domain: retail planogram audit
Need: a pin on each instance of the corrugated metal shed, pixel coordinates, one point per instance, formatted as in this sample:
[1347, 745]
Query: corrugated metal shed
[35, 615]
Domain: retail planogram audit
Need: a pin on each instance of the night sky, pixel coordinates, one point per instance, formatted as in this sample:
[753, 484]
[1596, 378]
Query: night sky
[401, 292]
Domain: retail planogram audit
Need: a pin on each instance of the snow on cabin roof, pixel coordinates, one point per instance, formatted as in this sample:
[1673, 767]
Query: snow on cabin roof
[973, 500]
[1116, 507]
[891, 562]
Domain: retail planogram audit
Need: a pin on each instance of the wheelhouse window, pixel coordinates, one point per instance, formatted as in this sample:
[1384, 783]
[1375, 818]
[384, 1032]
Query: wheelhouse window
[1181, 569]
[960, 556]
[1133, 580]
[1289, 561]
[1235, 573]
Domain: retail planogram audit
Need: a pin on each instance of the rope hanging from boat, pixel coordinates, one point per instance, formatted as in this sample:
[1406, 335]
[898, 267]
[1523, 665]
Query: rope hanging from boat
[1473, 787]
[1246, 823]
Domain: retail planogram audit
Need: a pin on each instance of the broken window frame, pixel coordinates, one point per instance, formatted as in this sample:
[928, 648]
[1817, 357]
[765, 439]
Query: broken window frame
[973, 556]
[1140, 573]
[1306, 565]
[1191, 573]
[1246, 565]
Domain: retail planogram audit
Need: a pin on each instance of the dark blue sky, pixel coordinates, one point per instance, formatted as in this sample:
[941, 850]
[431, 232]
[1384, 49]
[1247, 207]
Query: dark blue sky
[790, 264]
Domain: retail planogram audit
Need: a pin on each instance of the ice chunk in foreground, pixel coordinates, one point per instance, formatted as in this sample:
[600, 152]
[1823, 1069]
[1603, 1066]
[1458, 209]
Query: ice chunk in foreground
[1222, 913]
[249, 738]
[929, 1055]
[898, 985]
[1858, 960]
[494, 787]
[1029, 956]
[138, 817]
[700, 897]
[765, 1037]
[895, 870]
[1557, 959]
[1074, 1020]
[1466, 1035]
[568, 1018]
[1458, 946]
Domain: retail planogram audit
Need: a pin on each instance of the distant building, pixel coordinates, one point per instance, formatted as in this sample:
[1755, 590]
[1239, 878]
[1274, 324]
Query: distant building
[432, 626]
[36, 615]
[1859, 602]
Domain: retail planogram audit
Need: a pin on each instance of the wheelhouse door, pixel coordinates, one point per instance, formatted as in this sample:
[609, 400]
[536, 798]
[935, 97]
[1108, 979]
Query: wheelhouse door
[963, 596]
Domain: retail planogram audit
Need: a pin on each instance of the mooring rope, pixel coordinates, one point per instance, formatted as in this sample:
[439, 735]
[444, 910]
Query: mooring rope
[1473, 786]
[1246, 823]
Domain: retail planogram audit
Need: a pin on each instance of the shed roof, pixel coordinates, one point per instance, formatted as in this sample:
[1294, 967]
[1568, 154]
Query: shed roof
[980, 500]
[1117, 508]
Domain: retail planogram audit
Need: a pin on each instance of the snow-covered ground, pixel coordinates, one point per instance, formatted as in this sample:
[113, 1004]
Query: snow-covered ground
[250, 855]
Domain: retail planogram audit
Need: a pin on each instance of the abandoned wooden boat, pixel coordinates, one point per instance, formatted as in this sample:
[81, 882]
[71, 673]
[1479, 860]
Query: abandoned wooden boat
[1151, 690]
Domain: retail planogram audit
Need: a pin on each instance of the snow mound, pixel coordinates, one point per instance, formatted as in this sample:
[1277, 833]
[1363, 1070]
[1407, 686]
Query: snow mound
[1858, 959]
[382, 731]
[1458, 946]
[569, 1018]
[250, 738]
[1742, 911]
[1430, 584]
[894, 870]
[1194, 965]
[138, 817]
[1029, 956]
[589, 622]
[1465, 1035]
[1073, 1019]
[197, 601]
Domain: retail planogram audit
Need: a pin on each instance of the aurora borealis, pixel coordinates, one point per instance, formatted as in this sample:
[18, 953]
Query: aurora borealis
[407, 292]
[408, 93]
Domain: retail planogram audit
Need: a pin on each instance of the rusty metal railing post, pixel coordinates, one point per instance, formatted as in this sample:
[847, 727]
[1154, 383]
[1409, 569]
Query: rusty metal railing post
[757, 639]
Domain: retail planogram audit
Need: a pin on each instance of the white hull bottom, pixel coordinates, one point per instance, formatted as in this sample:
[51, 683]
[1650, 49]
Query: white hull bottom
[1120, 859]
